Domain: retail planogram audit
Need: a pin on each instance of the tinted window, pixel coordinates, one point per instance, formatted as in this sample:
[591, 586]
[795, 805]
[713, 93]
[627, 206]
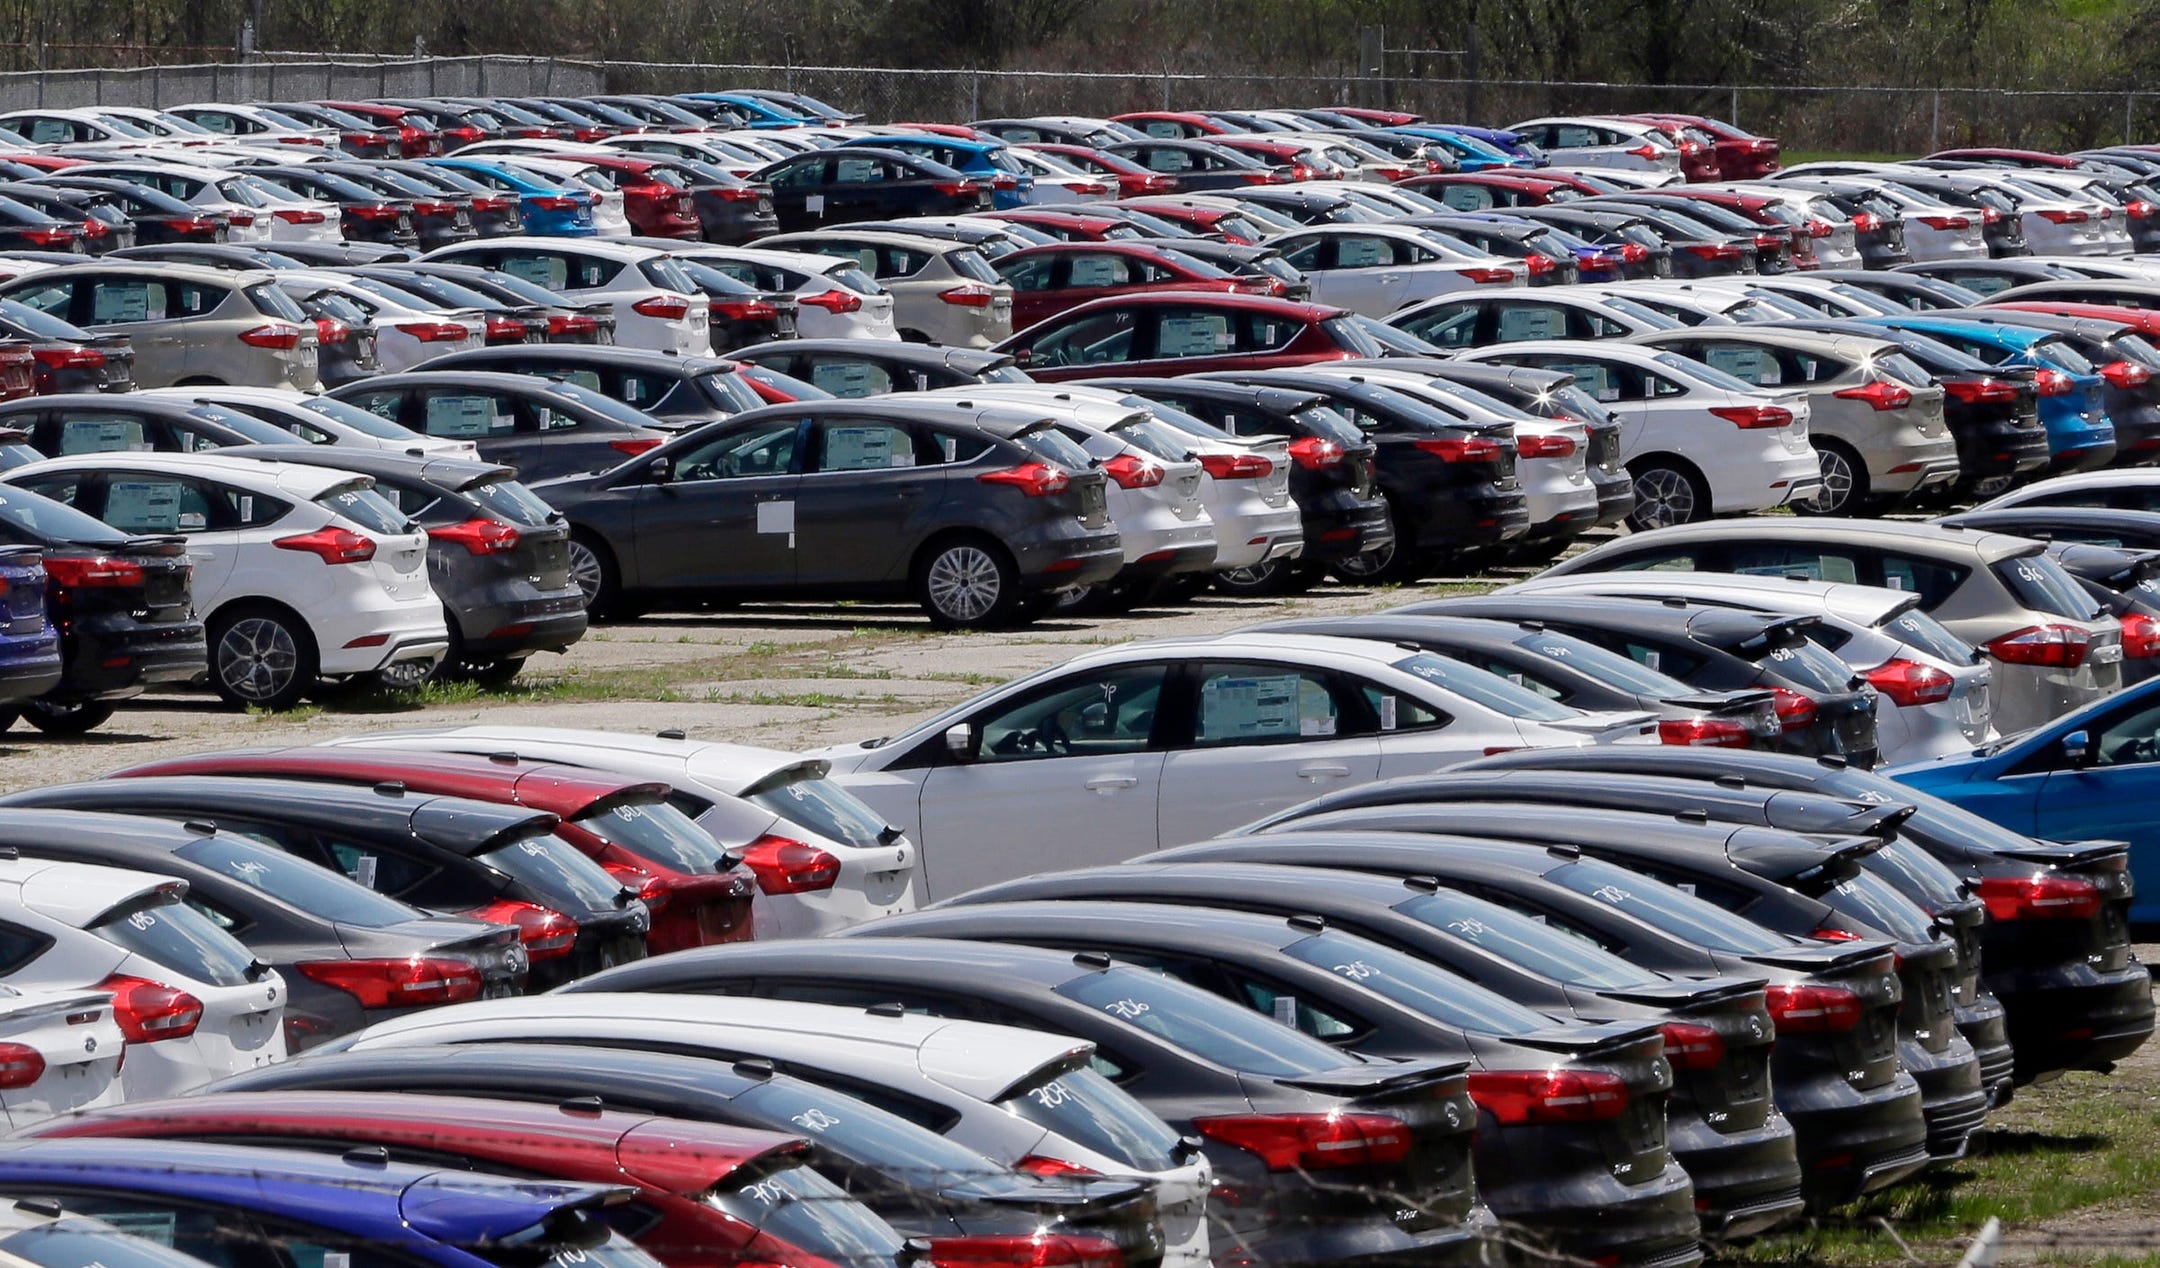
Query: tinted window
[1522, 940]
[823, 807]
[1917, 874]
[77, 1242]
[1605, 666]
[2041, 584]
[510, 501]
[361, 504]
[1416, 985]
[1675, 911]
[164, 930]
[1052, 445]
[1921, 632]
[1871, 899]
[297, 882]
[861, 1130]
[1484, 688]
[1205, 1025]
[1806, 664]
[45, 520]
[551, 865]
[657, 831]
[1083, 1106]
[804, 1209]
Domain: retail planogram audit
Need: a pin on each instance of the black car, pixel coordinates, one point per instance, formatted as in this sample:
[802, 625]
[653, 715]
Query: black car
[494, 214]
[1595, 1179]
[158, 217]
[69, 358]
[543, 428]
[567, 321]
[346, 336]
[104, 227]
[494, 863]
[1821, 706]
[27, 228]
[122, 605]
[739, 314]
[498, 556]
[1642, 250]
[108, 422]
[873, 367]
[677, 392]
[2126, 362]
[1449, 480]
[1546, 260]
[984, 515]
[1304, 206]
[1199, 166]
[1689, 221]
[1739, 1153]
[1331, 477]
[439, 218]
[840, 186]
[2125, 517]
[2074, 995]
[365, 214]
[505, 322]
[350, 956]
[920, 1182]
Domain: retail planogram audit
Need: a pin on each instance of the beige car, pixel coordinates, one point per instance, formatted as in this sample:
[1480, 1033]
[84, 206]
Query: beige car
[943, 292]
[188, 324]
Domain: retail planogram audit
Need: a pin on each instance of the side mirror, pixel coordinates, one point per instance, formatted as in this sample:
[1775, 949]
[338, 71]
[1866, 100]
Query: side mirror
[960, 741]
[2077, 749]
[660, 470]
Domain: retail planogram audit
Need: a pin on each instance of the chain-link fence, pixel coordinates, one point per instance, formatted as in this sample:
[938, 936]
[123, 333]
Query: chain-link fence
[283, 79]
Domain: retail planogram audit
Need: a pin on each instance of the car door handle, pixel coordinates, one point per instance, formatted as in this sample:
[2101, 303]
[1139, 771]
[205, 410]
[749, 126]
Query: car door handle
[1107, 784]
[1317, 771]
[908, 491]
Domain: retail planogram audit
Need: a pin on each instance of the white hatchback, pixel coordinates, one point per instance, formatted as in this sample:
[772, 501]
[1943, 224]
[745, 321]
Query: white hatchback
[1377, 269]
[834, 298]
[319, 420]
[657, 305]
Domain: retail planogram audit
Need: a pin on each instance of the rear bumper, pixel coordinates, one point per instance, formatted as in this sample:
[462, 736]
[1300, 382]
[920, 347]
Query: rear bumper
[1599, 1219]
[1345, 529]
[1253, 532]
[1852, 1141]
[1985, 1026]
[1745, 1182]
[1952, 1098]
[117, 661]
[1087, 558]
[512, 630]
[1170, 561]
[29, 665]
[2074, 1017]
[1477, 1242]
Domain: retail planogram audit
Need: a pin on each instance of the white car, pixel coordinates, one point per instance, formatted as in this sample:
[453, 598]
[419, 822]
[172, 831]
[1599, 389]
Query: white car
[823, 859]
[2106, 220]
[657, 305]
[259, 212]
[725, 152]
[610, 218]
[192, 1004]
[1573, 141]
[974, 1083]
[253, 125]
[2134, 488]
[1546, 312]
[1376, 269]
[1708, 301]
[1935, 691]
[300, 572]
[1059, 181]
[319, 420]
[1245, 488]
[60, 1048]
[1934, 230]
[1697, 441]
[1126, 750]
[834, 298]
[408, 328]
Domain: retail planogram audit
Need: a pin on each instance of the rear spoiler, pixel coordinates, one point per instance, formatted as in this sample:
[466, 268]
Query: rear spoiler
[1809, 870]
[1584, 1040]
[1377, 1076]
[1828, 958]
[1682, 994]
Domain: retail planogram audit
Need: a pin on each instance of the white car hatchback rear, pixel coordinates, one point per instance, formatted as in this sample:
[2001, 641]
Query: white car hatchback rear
[657, 305]
[60, 1051]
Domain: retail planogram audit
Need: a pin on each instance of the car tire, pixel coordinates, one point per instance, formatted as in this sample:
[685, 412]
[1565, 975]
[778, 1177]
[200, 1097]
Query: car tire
[1668, 491]
[79, 718]
[491, 673]
[1393, 564]
[1845, 482]
[966, 583]
[592, 567]
[1181, 589]
[408, 675]
[1262, 580]
[261, 656]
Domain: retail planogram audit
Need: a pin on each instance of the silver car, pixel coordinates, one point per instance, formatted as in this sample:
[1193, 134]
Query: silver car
[188, 324]
[943, 291]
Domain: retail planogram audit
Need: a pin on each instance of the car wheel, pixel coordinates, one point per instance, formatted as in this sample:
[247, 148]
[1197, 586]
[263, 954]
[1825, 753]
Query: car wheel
[261, 657]
[409, 675]
[1392, 564]
[1259, 581]
[491, 673]
[1844, 482]
[79, 718]
[967, 583]
[1667, 493]
[592, 567]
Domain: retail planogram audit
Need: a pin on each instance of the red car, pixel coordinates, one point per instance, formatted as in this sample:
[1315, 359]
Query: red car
[1168, 333]
[1172, 123]
[712, 1195]
[1698, 149]
[2146, 321]
[959, 131]
[655, 207]
[1482, 191]
[1741, 155]
[417, 136]
[2037, 159]
[1073, 225]
[1205, 219]
[1048, 280]
[1378, 118]
[1285, 154]
[1133, 180]
[685, 877]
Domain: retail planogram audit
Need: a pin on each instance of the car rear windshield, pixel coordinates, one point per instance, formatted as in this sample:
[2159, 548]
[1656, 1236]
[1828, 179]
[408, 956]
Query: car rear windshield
[1804, 664]
[1607, 667]
[1923, 633]
[1087, 1109]
[273, 302]
[729, 391]
[808, 1212]
[2059, 352]
[823, 807]
[511, 501]
[1153, 437]
[855, 279]
[552, 866]
[970, 264]
[1483, 687]
[1416, 984]
[358, 501]
[1917, 874]
[1872, 900]
[1051, 445]
[38, 322]
[166, 931]
[1208, 1026]
[1675, 911]
[312, 888]
[1349, 337]
[2041, 584]
[256, 430]
[1328, 424]
[356, 418]
[1538, 947]
[78, 1242]
[658, 831]
[1706, 374]
[858, 1130]
[42, 519]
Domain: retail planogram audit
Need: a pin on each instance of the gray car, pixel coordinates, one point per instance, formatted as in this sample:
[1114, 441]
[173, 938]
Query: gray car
[542, 427]
[188, 324]
[678, 392]
[943, 292]
[873, 367]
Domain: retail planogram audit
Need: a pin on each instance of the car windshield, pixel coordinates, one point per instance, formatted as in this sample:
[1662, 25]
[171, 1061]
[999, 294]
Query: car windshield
[917, 1156]
[312, 888]
[1923, 633]
[164, 930]
[2041, 584]
[510, 501]
[823, 807]
[1539, 947]
[1607, 667]
[80, 1242]
[810, 1213]
[1675, 911]
[1208, 1026]
[1089, 1110]
[1483, 687]
[358, 502]
[1872, 900]
[1416, 984]
[658, 831]
[44, 520]
[553, 866]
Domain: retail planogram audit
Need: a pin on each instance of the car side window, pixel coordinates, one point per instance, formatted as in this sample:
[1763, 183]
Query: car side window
[1097, 270]
[52, 298]
[1514, 673]
[231, 507]
[900, 262]
[225, 1238]
[2128, 739]
[19, 946]
[811, 171]
[1031, 274]
[1933, 582]
[392, 874]
[1270, 704]
[1284, 1004]
[1094, 339]
[1398, 713]
[766, 450]
[848, 377]
[848, 170]
[1656, 561]
[1358, 251]
[386, 404]
[1795, 562]
[94, 431]
[1093, 715]
[1519, 321]
[862, 446]
[1449, 325]
[1467, 197]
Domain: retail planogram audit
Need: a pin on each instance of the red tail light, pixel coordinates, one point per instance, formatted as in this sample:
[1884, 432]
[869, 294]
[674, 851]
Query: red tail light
[1540, 265]
[1088, 188]
[329, 330]
[561, 324]
[958, 189]
[665, 307]
[481, 202]
[2064, 217]
[1544, 446]
[1794, 711]
[20, 1065]
[1865, 223]
[333, 545]
[1980, 391]
[407, 983]
[1488, 277]
[971, 295]
[51, 237]
[2054, 383]
[76, 358]
[1754, 417]
[546, 933]
[380, 211]
[1634, 253]
[1703, 732]
[1035, 479]
[1954, 223]
[1712, 251]
[1021, 1250]
[189, 224]
[1548, 1096]
[2051, 646]
[834, 301]
[653, 891]
[2125, 374]
[244, 219]
[1314, 454]
[1770, 242]
[1831, 933]
[744, 309]
[1243, 466]
[299, 216]
[742, 194]
[2141, 633]
[1005, 182]
[150, 1011]
[1910, 683]
[1692, 1047]
[1990, 216]
[1880, 395]
[1038, 1165]
[2139, 209]
[1817, 229]
[435, 331]
[1812, 1010]
[98, 570]
[1313, 1142]
[1645, 152]
[554, 202]
[783, 866]
[2040, 897]
[480, 536]
[1460, 448]
[278, 338]
[1131, 471]
[502, 329]
[632, 446]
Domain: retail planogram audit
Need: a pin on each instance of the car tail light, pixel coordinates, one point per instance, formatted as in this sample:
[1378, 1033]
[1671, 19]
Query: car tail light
[2050, 646]
[1243, 466]
[546, 933]
[98, 570]
[958, 189]
[244, 219]
[150, 1011]
[835, 301]
[2140, 638]
[1816, 229]
[972, 295]
[633, 446]
[483, 203]
[665, 307]
[1980, 391]
[1831, 933]
[1703, 732]
[329, 330]
[1314, 453]
[1312, 1142]
[1460, 448]
[1648, 153]
[1794, 710]
[20, 1065]
[407, 983]
[2139, 209]
[1798, 1008]
[1910, 683]
[1865, 222]
[1954, 223]
[1488, 277]
[335, 545]
[1040, 1165]
[435, 331]
[189, 224]
[1090, 188]
[1544, 446]
[1540, 265]
[1754, 417]
[1024, 1250]
[479, 535]
[1692, 1047]
[2063, 216]
[1634, 253]
[75, 358]
[1548, 1096]
[279, 338]
[360, 138]
[554, 202]
[1005, 182]
[1882, 394]
[1771, 242]
[509, 328]
[744, 309]
[2124, 374]
[379, 211]
[299, 216]
[1133, 472]
[562, 324]
[784, 866]
[2054, 383]
[653, 891]
[1712, 251]
[50, 237]
[1035, 479]
[2039, 897]
[742, 194]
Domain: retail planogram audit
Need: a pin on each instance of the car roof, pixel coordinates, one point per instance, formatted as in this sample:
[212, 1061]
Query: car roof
[1674, 620]
[291, 478]
[1990, 547]
[456, 824]
[875, 237]
[1864, 605]
[732, 767]
[592, 353]
[568, 791]
[77, 894]
[965, 360]
[447, 470]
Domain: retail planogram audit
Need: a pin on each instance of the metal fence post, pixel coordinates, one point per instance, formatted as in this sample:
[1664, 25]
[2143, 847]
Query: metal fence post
[975, 95]
[2129, 106]
[1734, 117]
[1935, 127]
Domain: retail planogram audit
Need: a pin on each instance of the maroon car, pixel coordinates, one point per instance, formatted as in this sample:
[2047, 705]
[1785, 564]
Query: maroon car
[1168, 333]
[1048, 280]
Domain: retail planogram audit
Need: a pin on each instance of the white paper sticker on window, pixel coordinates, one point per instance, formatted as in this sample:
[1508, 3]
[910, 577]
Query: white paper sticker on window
[1286, 1009]
[1316, 727]
[539, 270]
[1196, 335]
[464, 417]
[144, 506]
[851, 379]
[101, 435]
[1518, 323]
[866, 449]
[123, 301]
[1387, 713]
[364, 870]
[1249, 708]
[814, 205]
[1650, 660]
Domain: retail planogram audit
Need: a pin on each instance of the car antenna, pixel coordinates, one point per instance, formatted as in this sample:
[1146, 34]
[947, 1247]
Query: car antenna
[671, 733]
[391, 788]
[580, 1105]
[890, 1008]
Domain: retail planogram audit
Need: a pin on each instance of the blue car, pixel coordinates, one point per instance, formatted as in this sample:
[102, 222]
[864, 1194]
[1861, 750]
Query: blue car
[1471, 154]
[236, 1205]
[1011, 185]
[2072, 394]
[758, 111]
[545, 209]
[1501, 139]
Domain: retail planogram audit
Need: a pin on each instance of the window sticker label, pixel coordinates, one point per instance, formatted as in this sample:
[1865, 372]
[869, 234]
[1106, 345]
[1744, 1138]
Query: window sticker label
[144, 506]
[101, 435]
[1249, 708]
